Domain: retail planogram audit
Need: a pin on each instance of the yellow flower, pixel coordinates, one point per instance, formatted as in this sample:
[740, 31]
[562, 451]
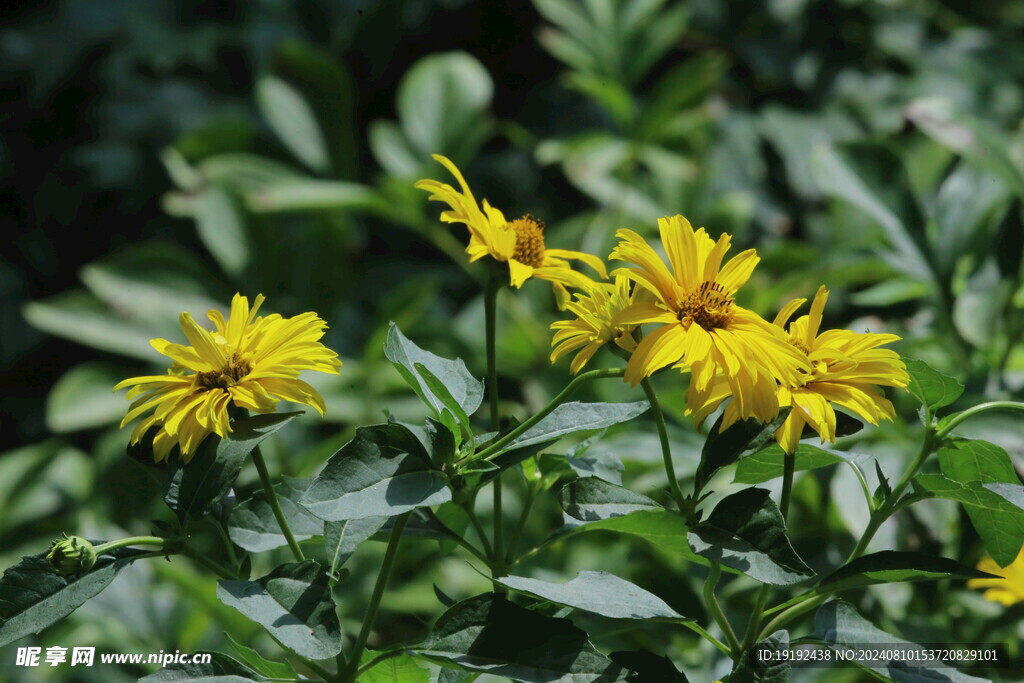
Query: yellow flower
[596, 323]
[1007, 590]
[247, 361]
[845, 369]
[520, 243]
[702, 330]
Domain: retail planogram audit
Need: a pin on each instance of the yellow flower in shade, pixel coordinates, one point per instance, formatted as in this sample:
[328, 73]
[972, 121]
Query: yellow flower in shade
[1008, 590]
[247, 361]
[701, 329]
[520, 242]
[596, 324]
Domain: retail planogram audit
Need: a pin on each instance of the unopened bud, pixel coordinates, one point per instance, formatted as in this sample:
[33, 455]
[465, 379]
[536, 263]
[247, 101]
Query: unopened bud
[71, 555]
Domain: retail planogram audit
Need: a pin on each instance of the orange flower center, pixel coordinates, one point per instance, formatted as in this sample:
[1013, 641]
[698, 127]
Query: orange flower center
[709, 306]
[529, 241]
[235, 369]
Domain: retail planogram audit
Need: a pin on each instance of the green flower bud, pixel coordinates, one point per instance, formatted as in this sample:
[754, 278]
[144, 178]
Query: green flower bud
[71, 555]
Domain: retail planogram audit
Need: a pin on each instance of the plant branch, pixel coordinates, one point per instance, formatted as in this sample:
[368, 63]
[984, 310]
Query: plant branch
[275, 505]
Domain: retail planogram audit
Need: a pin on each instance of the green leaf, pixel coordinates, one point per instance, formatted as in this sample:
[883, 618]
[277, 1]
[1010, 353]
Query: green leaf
[441, 104]
[82, 318]
[291, 117]
[661, 528]
[294, 604]
[461, 388]
[576, 417]
[81, 398]
[890, 566]
[999, 522]
[33, 596]
[221, 669]
[308, 194]
[596, 592]
[744, 437]
[400, 669]
[644, 665]
[342, 538]
[258, 663]
[931, 387]
[747, 532]
[840, 625]
[221, 227]
[194, 488]
[382, 472]
[253, 526]
[1012, 493]
[767, 463]
[752, 669]
[491, 635]
[967, 460]
[590, 499]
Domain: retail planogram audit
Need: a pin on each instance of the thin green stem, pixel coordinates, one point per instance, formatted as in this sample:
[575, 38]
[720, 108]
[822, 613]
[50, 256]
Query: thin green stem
[696, 628]
[490, 332]
[498, 568]
[478, 527]
[666, 448]
[457, 538]
[378, 591]
[226, 540]
[788, 470]
[496, 448]
[513, 545]
[711, 600]
[275, 505]
[954, 421]
[125, 542]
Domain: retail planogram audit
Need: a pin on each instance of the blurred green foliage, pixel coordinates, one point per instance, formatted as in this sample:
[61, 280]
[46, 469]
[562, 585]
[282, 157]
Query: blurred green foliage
[161, 156]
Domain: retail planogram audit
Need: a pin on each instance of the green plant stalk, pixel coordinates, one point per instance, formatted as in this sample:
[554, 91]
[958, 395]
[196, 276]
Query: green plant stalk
[478, 527]
[229, 546]
[696, 628]
[491, 324]
[513, 545]
[378, 592]
[711, 600]
[125, 542]
[945, 427]
[275, 505]
[496, 448]
[666, 448]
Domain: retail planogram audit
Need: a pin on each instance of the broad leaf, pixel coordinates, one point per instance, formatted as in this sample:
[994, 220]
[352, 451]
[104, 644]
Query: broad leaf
[932, 388]
[342, 538]
[294, 604]
[999, 522]
[591, 499]
[966, 460]
[460, 390]
[747, 532]
[258, 662]
[752, 668]
[661, 528]
[597, 592]
[400, 669]
[253, 526]
[891, 566]
[221, 669]
[382, 472]
[644, 665]
[576, 417]
[33, 595]
[744, 437]
[840, 625]
[767, 464]
[292, 118]
[491, 635]
[194, 488]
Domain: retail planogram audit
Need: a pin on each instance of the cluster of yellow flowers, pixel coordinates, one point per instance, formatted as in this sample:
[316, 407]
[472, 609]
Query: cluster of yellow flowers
[695, 324]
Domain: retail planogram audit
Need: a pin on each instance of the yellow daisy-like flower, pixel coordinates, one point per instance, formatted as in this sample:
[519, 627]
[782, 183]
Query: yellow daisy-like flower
[246, 361]
[702, 330]
[846, 369]
[1008, 590]
[597, 323]
[520, 242]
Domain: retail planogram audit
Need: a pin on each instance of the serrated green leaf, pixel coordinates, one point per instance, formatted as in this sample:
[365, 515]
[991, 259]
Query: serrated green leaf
[382, 472]
[576, 417]
[491, 635]
[966, 460]
[767, 463]
[596, 592]
[342, 538]
[253, 526]
[891, 566]
[591, 499]
[294, 604]
[400, 669]
[931, 387]
[194, 488]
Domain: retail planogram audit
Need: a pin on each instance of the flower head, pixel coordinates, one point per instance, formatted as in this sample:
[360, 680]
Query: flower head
[597, 312]
[71, 555]
[246, 361]
[519, 243]
[1008, 590]
[701, 329]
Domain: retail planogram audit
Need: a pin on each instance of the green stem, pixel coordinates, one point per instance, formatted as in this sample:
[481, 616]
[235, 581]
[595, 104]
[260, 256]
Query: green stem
[513, 545]
[479, 528]
[693, 626]
[275, 505]
[711, 600]
[490, 332]
[953, 421]
[498, 568]
[125, 542]
[496, 448]
[788, 469]
[666, 448]
[378, 591]
[226, 540]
